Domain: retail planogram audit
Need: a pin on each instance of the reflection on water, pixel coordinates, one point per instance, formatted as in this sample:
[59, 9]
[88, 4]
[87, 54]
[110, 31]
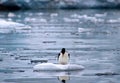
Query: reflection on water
[63, 79]
[62, 76]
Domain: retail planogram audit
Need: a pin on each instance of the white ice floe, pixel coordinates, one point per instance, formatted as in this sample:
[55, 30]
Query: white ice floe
[101, 15]
[71, 19]
[43, 20]
[11, 27]
[88, 18]
[11, 14]
[57, 67]
[54, 14]
[114, 20]
[80, 30]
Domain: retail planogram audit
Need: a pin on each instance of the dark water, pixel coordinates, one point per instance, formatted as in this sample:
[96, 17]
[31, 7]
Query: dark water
[90, 36]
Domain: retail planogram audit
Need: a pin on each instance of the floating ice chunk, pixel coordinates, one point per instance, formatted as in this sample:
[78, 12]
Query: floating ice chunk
[71, 20]
[86, 17]
[75, 15]
[113, 20]
[83, 30]
[33, 20]
[40, 13]
[30, 19]
[9, 26]
[11, 14]
[57, 67]
[43, 20]
[100, 15]
[54, 15]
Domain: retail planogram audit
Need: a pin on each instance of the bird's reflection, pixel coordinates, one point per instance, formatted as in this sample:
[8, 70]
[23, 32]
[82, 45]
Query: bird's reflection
[63, 79]
[61, 76]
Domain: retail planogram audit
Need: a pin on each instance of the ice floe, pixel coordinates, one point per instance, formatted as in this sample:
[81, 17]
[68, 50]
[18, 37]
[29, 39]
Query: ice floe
[57, 67]
[12, 27]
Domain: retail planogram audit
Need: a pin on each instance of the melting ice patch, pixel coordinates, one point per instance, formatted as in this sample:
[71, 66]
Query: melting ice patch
[12, 27]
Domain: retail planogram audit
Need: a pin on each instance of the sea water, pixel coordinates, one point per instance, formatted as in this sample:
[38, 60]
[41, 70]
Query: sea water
[90, 36]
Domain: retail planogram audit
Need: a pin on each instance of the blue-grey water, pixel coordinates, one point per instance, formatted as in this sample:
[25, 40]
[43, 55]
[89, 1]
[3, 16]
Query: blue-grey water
[92, 37]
